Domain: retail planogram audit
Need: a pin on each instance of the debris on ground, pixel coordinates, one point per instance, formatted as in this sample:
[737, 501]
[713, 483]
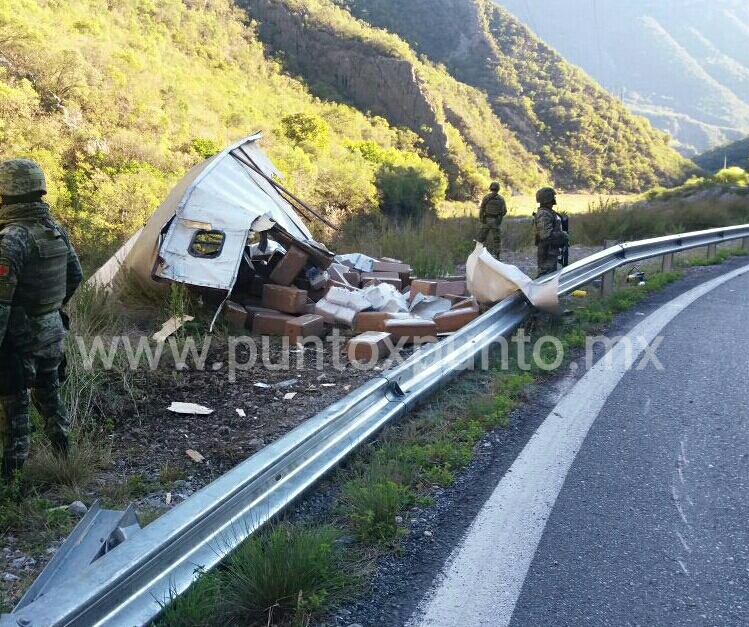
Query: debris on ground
[189, 408]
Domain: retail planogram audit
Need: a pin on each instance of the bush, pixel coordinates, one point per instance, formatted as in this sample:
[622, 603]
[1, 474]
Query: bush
[732, 176]
[409, 191]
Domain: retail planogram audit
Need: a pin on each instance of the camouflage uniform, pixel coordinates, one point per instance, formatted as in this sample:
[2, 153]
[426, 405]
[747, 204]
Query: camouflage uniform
[491, 212]
[39, 271]
[549, 234]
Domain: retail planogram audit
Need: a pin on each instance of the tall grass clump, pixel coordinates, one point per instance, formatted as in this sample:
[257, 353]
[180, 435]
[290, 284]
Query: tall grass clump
[286, 573]
[609, 221]
[432, 246]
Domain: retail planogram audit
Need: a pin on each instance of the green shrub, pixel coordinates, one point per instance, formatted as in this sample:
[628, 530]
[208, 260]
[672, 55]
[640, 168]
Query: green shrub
[732, 176]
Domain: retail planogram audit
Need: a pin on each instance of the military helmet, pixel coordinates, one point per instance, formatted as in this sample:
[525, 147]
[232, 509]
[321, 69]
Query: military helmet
[494, 187]
[21, 176]
[545, 196]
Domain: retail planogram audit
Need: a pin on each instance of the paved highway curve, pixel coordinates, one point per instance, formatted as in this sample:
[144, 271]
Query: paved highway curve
[630, 504]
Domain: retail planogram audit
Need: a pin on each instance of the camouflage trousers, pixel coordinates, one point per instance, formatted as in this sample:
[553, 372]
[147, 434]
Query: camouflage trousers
[38, 371]
[546, 257]
[491, 238]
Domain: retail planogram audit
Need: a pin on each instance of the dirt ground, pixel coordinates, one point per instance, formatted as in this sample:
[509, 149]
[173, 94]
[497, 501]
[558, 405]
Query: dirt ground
[149, 464]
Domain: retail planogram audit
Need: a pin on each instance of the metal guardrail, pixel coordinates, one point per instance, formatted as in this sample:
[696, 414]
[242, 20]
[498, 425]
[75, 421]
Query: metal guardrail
[121, 577]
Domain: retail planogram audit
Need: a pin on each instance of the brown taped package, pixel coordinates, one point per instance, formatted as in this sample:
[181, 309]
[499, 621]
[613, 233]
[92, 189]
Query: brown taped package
[309, 325]
[369, 346]
[413, 330]
[455, 319]
[289, 267]
[270, 323]
[287, 299]
[451, 287]
[391, 266]
[372, 320]
[428, 288]
[236, 316]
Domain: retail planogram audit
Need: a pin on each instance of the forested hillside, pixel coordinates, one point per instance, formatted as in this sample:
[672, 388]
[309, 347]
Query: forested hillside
[735, 154]
[585, 137]
[684, 65]
[117, 100]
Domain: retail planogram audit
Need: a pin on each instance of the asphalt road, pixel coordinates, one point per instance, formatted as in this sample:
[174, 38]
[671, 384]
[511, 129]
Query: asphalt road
[630, 504]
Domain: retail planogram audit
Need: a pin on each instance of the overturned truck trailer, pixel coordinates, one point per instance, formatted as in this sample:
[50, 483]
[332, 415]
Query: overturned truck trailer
[225, 212]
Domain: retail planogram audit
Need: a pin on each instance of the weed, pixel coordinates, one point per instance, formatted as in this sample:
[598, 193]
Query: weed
[198, 607]
[285, 573]
[168, 474]
[122, 492]
[719, 257]
[372, 507]
[86, 456]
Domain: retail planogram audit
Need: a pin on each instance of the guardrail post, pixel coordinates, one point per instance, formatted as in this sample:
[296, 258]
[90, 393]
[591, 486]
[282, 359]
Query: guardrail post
[667, 262]
[745, 243]
[607, 279]
[712, 250]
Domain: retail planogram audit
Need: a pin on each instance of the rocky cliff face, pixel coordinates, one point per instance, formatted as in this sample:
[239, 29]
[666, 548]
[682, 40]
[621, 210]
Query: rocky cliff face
[361, 72]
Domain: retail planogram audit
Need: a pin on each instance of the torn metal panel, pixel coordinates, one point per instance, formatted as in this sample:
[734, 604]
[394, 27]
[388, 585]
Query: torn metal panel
[198, 235]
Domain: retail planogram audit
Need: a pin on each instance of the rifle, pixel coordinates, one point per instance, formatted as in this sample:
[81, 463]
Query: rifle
[563, 257]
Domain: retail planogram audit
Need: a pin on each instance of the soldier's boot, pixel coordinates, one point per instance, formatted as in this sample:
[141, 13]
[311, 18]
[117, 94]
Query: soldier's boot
[15, 432]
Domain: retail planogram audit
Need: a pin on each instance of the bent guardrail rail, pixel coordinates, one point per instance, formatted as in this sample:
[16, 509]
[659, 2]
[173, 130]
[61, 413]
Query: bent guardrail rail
[124, 576]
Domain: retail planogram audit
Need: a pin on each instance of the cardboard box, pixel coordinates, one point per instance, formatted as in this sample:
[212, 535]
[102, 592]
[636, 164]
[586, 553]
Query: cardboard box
[455, 319]
[428, 288]
[451, 287]
[391, 266]
[369, 347]
[412, 330]
[235, 315]
[309, 325]
[289, 267]
[366, 276]
[252, 310]
[270, 323]
[371, 320]
[284, 298]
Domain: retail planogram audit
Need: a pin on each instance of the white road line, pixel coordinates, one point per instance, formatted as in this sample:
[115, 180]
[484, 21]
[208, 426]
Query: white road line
[482, 580]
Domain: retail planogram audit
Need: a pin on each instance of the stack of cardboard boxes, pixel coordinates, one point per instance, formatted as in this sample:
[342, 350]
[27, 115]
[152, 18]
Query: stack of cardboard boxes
[288, 296]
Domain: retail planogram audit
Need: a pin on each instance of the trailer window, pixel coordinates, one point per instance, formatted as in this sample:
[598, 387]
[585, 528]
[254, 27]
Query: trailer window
[207, 244]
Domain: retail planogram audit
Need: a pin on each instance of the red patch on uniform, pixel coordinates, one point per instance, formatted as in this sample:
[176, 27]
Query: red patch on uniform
[4, 270]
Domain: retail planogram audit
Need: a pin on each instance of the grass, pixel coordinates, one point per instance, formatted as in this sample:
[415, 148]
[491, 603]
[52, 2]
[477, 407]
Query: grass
[720, 256]
[609, 221]
[433, 246]
[45, 470]
[524, 205]
[283, 575]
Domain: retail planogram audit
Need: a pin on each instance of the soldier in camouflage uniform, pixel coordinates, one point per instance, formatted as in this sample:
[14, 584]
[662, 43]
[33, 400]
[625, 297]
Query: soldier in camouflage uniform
[39, 271]
[491, 212]
[549, 234]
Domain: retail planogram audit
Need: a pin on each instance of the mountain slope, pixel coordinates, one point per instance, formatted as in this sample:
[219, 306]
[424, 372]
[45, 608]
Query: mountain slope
[684, 65]
[734, 154]
[582, 134]
[117, 100]
[346, 60]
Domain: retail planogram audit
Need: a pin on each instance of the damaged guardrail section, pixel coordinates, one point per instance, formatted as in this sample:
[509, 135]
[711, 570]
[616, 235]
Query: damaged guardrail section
[121, 575]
